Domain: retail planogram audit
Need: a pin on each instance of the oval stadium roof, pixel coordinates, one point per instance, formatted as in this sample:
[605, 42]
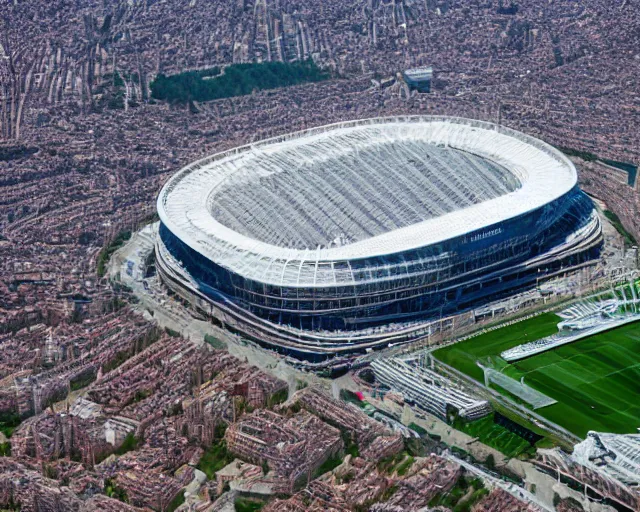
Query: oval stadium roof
[357, 189]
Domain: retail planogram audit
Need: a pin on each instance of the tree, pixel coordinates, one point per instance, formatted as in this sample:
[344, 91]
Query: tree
[490, 461]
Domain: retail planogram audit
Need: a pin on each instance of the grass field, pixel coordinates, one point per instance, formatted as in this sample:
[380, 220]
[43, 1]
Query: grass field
[463, 356]
[496, 436]
[596, 381]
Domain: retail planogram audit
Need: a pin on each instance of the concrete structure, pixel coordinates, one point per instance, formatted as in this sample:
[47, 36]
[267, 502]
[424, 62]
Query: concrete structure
[315, 240]
[419, 78]
[608, 464]
[428, 390]
[583, 320]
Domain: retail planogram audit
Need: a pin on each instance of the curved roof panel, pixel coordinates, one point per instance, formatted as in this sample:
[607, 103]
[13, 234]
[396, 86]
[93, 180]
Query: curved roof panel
[278, 210]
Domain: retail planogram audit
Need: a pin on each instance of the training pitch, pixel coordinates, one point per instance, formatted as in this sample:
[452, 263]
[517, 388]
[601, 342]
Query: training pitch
[596, 381]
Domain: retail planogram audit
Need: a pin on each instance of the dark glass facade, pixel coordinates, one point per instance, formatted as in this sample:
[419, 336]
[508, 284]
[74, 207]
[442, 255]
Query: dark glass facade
[428, 282]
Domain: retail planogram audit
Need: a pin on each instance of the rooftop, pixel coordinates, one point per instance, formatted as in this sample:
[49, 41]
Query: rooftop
[351, 186]
[417, 73]
[617, 455]
[358, 189]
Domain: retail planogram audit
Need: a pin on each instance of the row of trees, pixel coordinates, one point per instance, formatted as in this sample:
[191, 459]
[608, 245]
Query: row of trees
[237, 80]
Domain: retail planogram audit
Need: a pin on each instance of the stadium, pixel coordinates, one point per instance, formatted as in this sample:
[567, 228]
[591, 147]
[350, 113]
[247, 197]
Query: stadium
[351, 236]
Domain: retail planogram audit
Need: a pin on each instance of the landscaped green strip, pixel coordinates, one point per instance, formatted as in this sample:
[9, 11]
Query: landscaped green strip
[328, 465]
[404, 466]
[215, 342]
[617, 223]
[5, 449]
[215, 456]
[177, 501]
[8, 423]
[105, 254]
[248, 504]
[462, 496]
[490, 433]
[234, 80]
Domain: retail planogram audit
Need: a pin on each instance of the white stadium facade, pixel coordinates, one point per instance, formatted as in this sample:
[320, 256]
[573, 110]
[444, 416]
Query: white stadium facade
[342, 238]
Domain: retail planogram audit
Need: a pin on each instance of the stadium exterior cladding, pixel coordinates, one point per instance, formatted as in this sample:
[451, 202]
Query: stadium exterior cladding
[377, 284]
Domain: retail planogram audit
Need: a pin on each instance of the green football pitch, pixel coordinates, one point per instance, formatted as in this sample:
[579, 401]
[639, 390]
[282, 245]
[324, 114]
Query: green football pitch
[596, 381]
